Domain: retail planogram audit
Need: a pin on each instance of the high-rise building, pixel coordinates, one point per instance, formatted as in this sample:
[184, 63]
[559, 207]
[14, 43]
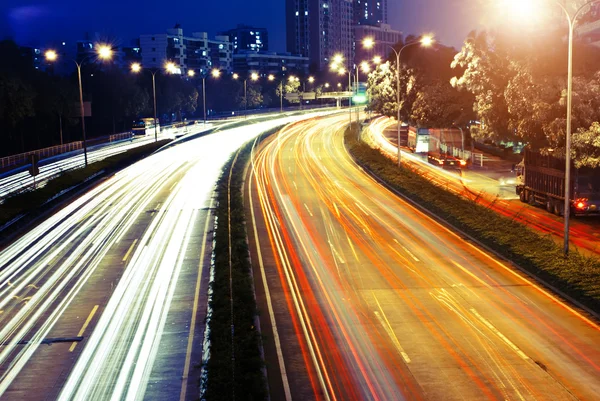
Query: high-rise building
[588, 29]
[383, 36]
[319, 29]
[196, 52]
[248, 38]
[370, 12]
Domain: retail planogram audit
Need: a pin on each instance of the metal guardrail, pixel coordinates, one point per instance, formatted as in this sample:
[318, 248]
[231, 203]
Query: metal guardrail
[23, 158]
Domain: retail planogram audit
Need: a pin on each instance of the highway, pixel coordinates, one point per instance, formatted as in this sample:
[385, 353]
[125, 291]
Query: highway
[363, 297]
[483, 187]
[106, 298]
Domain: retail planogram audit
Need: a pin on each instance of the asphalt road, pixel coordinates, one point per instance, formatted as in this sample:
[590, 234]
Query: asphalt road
[363, 297]
[106, 299]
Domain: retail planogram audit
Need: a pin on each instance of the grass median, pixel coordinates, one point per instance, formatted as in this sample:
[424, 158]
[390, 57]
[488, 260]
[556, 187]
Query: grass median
[32, 201]
[577, 276]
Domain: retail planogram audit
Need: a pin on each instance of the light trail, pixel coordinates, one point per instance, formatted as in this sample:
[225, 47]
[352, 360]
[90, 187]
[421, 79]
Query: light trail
[385, 303]
[113, 247]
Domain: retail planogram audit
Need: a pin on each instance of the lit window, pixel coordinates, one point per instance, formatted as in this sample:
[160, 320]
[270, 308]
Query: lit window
[305, 12]
[296, 13]
[221, 46]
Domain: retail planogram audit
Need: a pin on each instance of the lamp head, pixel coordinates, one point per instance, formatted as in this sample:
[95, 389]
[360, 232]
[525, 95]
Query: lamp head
[254, 76]
[51, 55]
[368, 43]
[215, 73]
[427, 40]
[105, 52]
[235, 75]
[136, 67]
[191, 73]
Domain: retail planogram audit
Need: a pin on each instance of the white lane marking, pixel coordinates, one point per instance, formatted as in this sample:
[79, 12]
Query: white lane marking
[335, 252]
[188, 354]
[499, 334]
[362, 210]
[308, 210]
[85, 325]
[388, 328]
[282, 370]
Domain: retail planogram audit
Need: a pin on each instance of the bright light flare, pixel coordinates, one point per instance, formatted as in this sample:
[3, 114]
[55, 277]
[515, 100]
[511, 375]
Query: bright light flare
[235, 76]
[51, 55]
[342, 71]
[271, 77]
[136, 67]
[311, 79]
[377, 59]
[365, 67]
[170, 67]
[521, 8]
[254, 76]
[191, 73]
[215, 73]
[105, 52]
[338, 58]
[327, 84]
[368, 43]
[427, 40]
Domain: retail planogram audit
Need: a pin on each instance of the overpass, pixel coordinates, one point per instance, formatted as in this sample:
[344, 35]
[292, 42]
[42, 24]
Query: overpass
[338, 96]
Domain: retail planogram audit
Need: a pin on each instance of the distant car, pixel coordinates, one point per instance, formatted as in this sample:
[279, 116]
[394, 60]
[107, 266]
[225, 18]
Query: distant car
[446, 161]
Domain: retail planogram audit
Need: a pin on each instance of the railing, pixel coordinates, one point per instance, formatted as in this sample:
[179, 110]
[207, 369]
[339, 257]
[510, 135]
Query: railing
[119, 137]
[474, 157]
[23, 158]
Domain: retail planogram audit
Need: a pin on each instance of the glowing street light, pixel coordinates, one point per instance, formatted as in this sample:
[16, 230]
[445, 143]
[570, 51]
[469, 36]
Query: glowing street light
[103, 52]
[254, 77]
[191, 73]
[425, 41]
[137, 68]
[377, 60]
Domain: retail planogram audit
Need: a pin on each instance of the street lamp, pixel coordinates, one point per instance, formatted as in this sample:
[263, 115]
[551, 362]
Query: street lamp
[170, 68]
[215, 74]
[253, 77]
[572, 20]
[272, 78]
[103, 52]
[425, 41]
[335, 66]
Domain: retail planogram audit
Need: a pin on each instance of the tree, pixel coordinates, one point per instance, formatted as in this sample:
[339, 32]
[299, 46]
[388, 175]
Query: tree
[381, 90]
[487, 71]
[586, 146]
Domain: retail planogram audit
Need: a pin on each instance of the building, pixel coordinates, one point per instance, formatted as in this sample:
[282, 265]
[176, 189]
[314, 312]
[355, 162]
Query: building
[265, 63]
[319, 29]
[370, 12]
[588, 28]
[384, 37]
[196, 52]
[247, 38]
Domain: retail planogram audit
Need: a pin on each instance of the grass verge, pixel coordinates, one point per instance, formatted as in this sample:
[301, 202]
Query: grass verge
[577, 276]
[237, 369]
[31, 201]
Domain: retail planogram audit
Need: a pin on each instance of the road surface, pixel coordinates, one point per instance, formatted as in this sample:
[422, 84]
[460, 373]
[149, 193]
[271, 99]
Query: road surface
[363, 297]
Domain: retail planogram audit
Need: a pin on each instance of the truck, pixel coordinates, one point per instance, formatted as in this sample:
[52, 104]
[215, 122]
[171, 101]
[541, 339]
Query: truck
[541, 181]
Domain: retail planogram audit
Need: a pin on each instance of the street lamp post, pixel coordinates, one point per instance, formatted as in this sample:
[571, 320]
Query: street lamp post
[425, 41]
[572, 20]
[253, 77]
[169, 67]
[272, 78]
[103, 52]
[215, 73]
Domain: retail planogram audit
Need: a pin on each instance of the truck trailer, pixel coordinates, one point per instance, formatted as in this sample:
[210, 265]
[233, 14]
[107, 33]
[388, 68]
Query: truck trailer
[541, 181]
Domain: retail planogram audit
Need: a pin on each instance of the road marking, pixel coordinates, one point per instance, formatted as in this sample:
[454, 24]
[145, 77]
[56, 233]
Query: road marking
[188, 352]
[282, 370]
[361, 209]
[129, 250]
[308, 210]
[335, 252]
[173, 186]
[499, 334]
[407, 251]
[85, 325]
[388, 328]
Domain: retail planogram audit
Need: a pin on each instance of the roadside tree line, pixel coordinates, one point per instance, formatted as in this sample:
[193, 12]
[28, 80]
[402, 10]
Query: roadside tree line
[515, 89]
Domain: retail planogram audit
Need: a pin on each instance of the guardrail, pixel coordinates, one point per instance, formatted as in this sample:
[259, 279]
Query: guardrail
[23, 158]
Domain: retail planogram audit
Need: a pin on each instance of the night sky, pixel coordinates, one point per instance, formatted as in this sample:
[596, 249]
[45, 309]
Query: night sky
[36, 22]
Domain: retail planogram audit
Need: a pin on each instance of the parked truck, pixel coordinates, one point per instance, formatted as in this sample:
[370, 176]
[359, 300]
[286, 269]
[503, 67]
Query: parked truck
[541, 181]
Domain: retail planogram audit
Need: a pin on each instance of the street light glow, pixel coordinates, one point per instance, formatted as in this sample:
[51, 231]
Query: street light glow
[254, 76]
[170, 67]
[235, 75]
[191, 73]
[292, 78]
[311, 79]
[215, 73]
[338, 58]
[51, 55]
[368, 43]
[377, 59]
[427, 40]
[364, 66]
[104, 52]
[521, 8]
[271, 77]
[342, 71]
[136, 67]
[327, 84]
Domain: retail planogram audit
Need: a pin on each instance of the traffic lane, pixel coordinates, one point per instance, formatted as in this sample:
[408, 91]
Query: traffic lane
[92, 296]
[345, 171]
[351, 367]
[526, 304]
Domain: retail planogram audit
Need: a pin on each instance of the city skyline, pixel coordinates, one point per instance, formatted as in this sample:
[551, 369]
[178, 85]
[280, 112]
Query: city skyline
[34, 24]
